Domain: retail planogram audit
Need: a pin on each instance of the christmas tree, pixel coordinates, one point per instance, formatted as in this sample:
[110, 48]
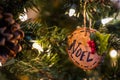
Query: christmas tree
[46, 28]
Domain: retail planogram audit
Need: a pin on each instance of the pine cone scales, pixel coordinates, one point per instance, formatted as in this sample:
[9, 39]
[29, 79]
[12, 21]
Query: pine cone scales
[10, 34]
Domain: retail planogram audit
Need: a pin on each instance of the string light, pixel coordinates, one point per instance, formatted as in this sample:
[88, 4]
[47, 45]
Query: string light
[23, 17]
[113, 53]
[0, 64]
[37, 46]
[72, 10]
[106, 20]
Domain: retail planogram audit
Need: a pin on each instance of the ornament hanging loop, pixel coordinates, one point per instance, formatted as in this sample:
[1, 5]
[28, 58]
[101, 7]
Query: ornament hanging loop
[90, 23]
[84, 13]
[84, 17]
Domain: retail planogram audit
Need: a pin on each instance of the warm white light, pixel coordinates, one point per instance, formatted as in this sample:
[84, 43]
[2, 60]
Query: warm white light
[71, 12]
[38, 47]
[84, 79]
[113, 53]
[106, 20]
[0, 64]
[23, 17]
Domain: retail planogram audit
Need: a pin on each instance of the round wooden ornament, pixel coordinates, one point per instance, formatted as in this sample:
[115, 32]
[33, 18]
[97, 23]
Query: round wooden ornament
[80, 51]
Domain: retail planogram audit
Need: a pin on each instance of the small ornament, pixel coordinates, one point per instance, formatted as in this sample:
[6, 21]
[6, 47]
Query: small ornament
[82, 50]
[10, 35]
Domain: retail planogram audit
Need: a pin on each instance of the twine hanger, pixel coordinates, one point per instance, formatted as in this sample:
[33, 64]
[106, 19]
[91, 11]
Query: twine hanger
[84, 14]
[84, 17]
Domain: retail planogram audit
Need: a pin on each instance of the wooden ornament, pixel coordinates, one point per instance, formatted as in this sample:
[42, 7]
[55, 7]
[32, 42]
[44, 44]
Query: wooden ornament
[79, 50]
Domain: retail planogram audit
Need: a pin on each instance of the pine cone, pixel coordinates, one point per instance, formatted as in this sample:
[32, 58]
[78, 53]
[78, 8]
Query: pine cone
[10, 35]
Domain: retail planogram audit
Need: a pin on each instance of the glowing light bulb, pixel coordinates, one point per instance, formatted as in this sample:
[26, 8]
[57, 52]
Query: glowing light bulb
[0, 64]
[106, 20]
[71, 12]
[38, 47]
[23, 17]
[113, 53]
